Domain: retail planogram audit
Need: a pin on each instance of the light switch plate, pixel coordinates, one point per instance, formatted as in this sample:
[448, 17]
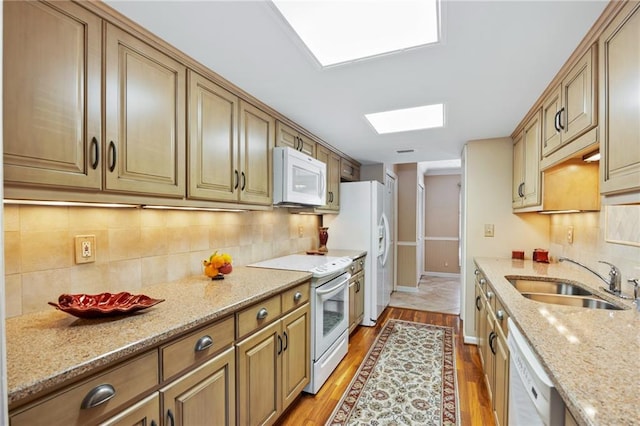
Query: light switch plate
[570, 234]
[488, 230]
[85, 248]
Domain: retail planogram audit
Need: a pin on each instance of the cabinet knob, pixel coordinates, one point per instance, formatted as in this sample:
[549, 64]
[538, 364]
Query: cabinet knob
[476, 272]
[203, 343]
[483, 281]
[262, 314]
[500, 314]
[489, 295]
[297, 296]
[98, 395]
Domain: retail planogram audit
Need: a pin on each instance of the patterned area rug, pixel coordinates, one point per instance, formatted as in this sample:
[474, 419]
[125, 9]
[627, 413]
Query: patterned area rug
[407, 378]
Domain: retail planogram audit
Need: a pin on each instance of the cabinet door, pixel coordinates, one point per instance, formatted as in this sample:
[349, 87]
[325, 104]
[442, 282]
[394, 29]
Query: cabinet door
[578, 99]
[145, 118]
[488, 356]
[213, 141]
[352, 305]
[359, 302]
[205, 396]
[259, 376]
[52, 78]
[501, 379]
[145, 412]
[257, 134]
[296, 357]
[532, 137]
[332, 160]
[517, 197]
[619, 110]
[550, 126]
[286, 136]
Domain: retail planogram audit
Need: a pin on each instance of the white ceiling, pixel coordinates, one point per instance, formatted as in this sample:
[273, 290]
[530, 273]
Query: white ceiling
[495, 60]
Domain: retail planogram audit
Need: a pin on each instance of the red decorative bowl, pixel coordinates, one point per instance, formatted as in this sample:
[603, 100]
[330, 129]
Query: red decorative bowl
[103, 304]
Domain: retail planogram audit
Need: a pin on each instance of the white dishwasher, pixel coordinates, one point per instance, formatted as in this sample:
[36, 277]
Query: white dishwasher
[533, 399]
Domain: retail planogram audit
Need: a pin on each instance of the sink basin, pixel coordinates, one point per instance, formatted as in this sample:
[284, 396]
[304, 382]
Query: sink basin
[593, 302]
[559, 293]
[548, 287]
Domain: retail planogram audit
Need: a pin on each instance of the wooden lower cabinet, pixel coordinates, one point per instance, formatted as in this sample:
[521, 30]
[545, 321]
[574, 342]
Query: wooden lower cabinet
[490, 323]
[204, 396]
[273, 368]
[144, 413]
[356, 300]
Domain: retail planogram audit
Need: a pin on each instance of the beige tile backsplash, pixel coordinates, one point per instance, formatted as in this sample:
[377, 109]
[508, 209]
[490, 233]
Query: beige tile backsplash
[135, 248]
[590, 245]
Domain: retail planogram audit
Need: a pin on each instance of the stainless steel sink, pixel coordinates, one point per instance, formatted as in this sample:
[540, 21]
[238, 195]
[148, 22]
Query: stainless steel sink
[593, 302]
[547, 287]
[559, 293]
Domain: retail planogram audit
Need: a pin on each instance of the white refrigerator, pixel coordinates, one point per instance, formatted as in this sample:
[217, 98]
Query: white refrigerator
[362, 225]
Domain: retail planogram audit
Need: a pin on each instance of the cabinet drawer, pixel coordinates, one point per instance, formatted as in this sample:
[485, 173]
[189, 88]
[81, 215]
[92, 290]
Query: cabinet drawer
[196, 346]
[258, 314]
[126, 381]
[501, 312]
[295, 297]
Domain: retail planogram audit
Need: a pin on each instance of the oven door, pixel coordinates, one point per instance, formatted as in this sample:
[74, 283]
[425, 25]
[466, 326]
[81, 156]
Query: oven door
[331, 313]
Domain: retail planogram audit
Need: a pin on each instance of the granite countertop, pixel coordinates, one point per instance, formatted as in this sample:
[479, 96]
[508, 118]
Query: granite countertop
[49, 348]
[591, 355]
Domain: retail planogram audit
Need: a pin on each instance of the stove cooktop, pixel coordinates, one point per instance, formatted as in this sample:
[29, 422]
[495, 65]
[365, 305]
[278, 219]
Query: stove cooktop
[319, 266]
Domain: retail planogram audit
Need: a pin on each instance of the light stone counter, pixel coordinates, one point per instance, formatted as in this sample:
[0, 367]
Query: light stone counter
[47, 349]
[591, 355]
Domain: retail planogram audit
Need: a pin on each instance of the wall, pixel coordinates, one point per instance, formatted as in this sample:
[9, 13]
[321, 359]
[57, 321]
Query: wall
[487, 177]
[442, 208]
[590, 245]
[408, 276]
[135, 247]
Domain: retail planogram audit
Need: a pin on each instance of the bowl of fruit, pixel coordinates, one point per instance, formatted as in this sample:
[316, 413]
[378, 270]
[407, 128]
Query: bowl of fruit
[217, 266]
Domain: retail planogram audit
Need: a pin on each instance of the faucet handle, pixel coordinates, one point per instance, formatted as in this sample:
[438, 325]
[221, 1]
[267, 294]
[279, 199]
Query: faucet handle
[614, 269]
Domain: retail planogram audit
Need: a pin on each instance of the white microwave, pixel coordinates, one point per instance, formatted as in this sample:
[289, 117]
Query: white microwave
[298, 179]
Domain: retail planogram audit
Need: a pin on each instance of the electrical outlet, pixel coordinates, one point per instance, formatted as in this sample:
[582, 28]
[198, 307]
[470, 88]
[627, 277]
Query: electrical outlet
[300, 231]
[570, 235]
[85, 248]
[488, 230]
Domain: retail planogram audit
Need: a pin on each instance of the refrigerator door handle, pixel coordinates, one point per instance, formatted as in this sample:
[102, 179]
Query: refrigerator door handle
[387, 237]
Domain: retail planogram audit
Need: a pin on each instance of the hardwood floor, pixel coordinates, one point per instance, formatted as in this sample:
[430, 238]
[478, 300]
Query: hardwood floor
[473, 399]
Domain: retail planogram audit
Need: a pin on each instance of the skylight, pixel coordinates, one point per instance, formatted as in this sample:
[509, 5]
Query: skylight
[341, 31]
[403, 120]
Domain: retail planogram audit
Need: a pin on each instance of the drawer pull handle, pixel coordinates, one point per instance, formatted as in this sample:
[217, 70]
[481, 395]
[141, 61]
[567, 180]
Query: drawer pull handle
[171, 418]
[98, 395]
[112, 155]
[478, 307]
[297, 296]
[205, 342]
[96, 153]
[262, 314]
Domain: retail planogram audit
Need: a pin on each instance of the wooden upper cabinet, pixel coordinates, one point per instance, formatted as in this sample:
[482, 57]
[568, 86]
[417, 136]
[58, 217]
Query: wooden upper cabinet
[212, 145]
[349, 171]
[257, 134]
[526, 164]
[287, 136]
[570, 110]
[620, 106]
[52, 77]
[332, 160]
[145, 118]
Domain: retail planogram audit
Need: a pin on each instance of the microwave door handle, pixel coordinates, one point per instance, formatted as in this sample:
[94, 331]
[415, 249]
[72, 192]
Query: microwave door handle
[322, 184]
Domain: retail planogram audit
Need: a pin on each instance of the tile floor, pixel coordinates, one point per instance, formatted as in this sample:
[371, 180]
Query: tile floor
[435, 294]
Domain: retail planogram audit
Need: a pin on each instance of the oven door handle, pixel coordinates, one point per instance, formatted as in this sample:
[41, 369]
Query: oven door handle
[333, 289]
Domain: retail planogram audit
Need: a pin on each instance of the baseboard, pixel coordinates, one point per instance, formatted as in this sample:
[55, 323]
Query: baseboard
[405, 289]
[471, 340]
[441, 274]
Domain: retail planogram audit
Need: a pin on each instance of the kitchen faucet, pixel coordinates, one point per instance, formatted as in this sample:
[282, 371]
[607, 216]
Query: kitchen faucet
[615, 277]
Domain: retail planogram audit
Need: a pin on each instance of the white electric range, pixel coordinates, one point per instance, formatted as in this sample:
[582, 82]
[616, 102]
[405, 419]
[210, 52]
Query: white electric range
[329, 302]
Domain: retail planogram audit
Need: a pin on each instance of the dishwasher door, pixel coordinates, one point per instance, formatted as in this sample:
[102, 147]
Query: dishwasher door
[533, 398]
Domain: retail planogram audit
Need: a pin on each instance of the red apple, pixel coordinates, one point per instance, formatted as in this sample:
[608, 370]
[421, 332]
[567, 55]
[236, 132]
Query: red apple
[226, 268]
